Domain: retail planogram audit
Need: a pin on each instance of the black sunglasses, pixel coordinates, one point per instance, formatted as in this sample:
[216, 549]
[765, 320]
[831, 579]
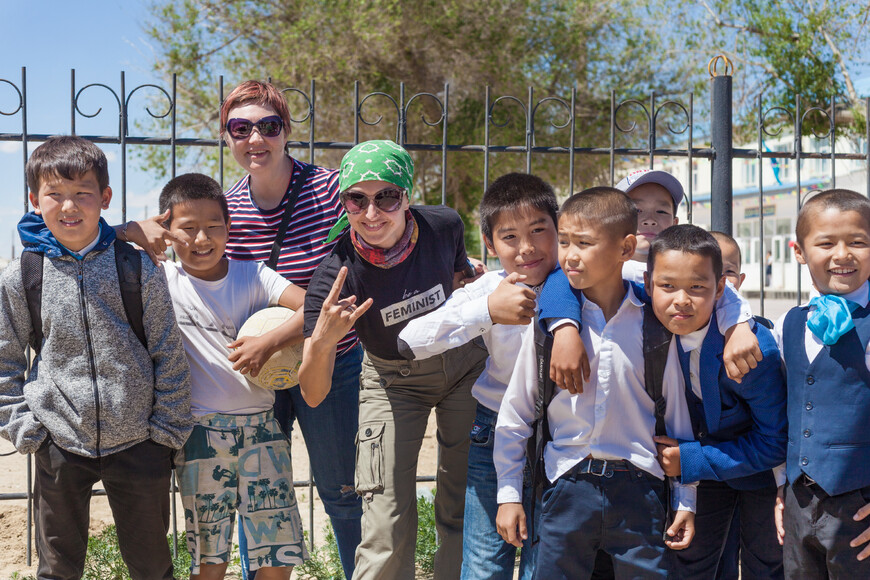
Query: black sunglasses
[387, 200]
[267, 126]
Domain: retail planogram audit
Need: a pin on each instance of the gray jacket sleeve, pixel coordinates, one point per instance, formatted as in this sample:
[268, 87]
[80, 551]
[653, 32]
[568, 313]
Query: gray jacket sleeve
[18, 424]
[171, 422]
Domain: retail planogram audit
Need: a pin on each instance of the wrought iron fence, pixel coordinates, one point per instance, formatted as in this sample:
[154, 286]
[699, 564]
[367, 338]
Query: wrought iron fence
[669, 121]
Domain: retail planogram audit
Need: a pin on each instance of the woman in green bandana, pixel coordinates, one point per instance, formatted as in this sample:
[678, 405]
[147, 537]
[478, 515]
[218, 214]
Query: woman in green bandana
[395, 262]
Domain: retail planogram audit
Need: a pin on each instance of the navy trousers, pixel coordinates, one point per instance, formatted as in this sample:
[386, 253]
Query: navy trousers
[761, 554]
[621, 512]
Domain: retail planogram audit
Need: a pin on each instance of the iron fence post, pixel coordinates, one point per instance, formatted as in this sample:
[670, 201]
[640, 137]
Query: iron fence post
[723, 154]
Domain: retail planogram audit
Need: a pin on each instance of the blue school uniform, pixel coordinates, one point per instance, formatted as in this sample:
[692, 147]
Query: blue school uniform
[740, 432]
[828, 464]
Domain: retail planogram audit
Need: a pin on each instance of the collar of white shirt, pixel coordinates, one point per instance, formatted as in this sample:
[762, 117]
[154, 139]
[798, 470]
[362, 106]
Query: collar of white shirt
[630, 295]
[859, 296]
[695, 339]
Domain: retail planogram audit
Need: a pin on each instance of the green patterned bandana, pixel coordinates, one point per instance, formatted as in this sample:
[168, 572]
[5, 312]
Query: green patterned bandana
[373, 161]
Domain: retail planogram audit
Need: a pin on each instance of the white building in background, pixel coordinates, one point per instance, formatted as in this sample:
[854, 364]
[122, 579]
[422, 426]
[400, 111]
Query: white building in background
[780, 201]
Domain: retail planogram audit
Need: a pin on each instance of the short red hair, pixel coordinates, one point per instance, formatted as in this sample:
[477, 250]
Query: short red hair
[264, 94]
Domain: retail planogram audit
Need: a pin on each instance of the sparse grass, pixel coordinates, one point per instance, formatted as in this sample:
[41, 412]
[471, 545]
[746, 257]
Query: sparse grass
[104, 560]
[325, 563]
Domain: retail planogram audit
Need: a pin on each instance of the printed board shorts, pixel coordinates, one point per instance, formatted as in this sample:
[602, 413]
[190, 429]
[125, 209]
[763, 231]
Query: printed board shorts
[239, 462]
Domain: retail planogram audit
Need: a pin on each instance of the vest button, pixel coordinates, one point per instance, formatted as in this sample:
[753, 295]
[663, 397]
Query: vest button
[809, 406]
[702, 434]
[807, 432]
[404, 371]
[804, 461]
[810, 380]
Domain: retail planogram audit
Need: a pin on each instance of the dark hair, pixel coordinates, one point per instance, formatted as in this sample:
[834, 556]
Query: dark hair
[688, 239]
[513, 191]
[842, 200]
[607, 207]
[68, 157]
[190, 187]
[722, 236]
[259, 93]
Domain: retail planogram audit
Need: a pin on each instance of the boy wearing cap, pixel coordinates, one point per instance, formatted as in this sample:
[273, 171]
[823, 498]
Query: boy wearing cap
[657, 195]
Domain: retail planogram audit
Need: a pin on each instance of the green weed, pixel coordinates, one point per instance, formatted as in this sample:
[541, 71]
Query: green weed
[325, 563]
[104, 561]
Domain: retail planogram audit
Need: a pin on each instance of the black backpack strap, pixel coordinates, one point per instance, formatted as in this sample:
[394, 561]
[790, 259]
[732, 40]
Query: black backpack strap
[541, 425]
[656, 342]
[31, 277]
[128, 262]
[288, 213]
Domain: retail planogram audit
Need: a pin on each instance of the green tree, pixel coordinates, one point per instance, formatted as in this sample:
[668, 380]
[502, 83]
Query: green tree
[552, 45]
[786, 47]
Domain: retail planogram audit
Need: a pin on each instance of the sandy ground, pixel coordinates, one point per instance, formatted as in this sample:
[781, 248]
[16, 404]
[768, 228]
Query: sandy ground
[13, 523]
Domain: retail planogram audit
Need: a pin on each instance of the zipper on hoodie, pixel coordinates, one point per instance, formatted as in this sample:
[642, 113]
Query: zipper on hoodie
[91, 361]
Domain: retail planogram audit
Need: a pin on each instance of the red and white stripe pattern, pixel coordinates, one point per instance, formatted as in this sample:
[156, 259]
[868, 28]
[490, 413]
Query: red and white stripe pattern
[253, 230]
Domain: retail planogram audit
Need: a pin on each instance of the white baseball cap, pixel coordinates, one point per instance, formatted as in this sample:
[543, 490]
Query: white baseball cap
[663, 178]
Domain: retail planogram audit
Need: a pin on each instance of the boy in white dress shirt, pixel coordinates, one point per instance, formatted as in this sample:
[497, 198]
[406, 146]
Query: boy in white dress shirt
[518, 219]
[605, 491]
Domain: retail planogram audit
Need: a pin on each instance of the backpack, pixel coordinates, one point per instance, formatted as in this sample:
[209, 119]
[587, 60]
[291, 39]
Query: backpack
[656, 342]
[128, 262]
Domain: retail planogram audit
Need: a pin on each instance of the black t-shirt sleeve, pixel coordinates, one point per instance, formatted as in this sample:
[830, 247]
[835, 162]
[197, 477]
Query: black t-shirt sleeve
[319, 288]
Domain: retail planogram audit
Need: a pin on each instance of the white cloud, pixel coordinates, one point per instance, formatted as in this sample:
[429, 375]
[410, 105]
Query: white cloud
[10, 147]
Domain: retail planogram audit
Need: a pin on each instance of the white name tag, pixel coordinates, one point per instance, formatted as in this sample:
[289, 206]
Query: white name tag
[413, 306]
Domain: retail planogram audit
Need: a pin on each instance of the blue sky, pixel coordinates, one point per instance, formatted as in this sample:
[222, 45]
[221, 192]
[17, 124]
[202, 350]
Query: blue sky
[99, 38]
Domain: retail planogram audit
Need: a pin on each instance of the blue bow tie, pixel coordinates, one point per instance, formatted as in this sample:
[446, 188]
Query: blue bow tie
[832, 317]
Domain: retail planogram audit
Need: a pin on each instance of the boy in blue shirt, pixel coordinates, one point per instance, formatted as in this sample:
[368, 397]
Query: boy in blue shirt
[739, 428]
[101, 401]
[825, 348]
[518, 220]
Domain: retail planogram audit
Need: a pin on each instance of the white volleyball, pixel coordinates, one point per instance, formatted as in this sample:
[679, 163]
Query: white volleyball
[281, 371]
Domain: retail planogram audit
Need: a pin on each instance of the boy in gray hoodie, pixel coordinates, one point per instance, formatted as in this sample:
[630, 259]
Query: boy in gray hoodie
[99, 403]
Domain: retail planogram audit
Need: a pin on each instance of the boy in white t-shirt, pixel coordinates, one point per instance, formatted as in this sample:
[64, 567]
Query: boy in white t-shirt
[237, 458]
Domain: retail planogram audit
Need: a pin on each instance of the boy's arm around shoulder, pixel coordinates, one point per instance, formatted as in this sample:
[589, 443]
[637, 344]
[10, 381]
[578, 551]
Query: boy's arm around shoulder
[557, 299]
[764, 446]
[170, 422]
[18, 424]
[460, 319]
[733, 314]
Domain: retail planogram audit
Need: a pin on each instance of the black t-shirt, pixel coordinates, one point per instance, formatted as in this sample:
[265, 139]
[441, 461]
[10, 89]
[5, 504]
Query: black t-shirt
[421, 283]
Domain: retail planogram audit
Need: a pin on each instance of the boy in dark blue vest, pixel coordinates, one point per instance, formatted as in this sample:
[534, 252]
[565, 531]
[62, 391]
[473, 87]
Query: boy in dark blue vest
[825, 347]
[739, 428]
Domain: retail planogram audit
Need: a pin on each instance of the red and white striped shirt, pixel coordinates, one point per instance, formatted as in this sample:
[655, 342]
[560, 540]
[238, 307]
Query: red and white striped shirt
[253, 229]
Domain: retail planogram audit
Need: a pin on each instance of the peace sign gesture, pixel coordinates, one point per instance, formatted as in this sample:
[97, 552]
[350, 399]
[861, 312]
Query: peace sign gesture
[318, 352]
[337, 317]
